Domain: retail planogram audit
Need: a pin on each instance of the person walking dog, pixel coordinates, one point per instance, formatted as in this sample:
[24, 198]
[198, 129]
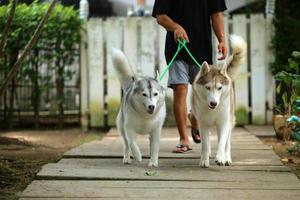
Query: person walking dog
[189, 20]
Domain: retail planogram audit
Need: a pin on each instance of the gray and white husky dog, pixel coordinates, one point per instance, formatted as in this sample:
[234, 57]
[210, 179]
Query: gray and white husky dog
[213, 102]
[142, 110]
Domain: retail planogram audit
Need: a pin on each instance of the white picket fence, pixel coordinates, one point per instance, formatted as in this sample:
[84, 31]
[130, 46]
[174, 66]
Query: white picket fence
[143, 42]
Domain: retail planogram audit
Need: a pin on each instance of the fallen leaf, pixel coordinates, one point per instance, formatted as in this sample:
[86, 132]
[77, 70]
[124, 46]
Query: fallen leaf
[150, 173]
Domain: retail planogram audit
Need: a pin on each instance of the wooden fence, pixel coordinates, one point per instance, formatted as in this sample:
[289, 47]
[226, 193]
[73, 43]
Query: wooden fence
[143, 42]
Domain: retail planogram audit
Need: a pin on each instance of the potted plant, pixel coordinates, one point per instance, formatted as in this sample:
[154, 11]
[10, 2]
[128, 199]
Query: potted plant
[288, 90]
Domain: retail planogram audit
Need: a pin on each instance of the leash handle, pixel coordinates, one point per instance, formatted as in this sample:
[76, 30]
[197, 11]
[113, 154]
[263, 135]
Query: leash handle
[181, 44]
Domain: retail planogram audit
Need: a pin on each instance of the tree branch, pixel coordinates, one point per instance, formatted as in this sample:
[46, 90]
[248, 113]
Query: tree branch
[7, 27]
[32, 42]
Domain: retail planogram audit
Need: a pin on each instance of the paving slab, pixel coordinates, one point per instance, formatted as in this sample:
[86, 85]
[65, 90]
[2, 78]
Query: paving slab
[156, 190]
[92, 172]
[261, 131]
[109, 163]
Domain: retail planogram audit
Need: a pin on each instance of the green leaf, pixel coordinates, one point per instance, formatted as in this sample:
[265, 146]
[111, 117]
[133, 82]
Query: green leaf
[150, 173]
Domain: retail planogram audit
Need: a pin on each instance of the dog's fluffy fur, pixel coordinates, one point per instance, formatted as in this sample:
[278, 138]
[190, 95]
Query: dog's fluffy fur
[142, 110]
[213, 102]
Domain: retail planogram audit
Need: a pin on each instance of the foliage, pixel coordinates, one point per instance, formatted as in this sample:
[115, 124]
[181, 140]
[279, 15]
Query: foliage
[294, 149]
[57, 47]
[251, 7]
[289, 84]
[286, 37]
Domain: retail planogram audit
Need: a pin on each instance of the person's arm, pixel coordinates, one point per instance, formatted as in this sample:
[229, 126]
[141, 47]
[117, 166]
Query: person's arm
[218, 27]
[166, 22]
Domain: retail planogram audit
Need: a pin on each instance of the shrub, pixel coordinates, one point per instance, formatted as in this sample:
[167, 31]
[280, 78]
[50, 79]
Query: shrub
[286, 37]
[56, 48]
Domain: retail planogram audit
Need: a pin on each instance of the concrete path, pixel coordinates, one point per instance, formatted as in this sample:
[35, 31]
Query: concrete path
[95, 171]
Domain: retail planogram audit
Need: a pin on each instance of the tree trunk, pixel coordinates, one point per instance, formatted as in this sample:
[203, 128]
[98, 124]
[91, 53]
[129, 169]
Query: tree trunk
[60, 93]
[10, 114]
[37, 92]
[7, 27]
[11, 104]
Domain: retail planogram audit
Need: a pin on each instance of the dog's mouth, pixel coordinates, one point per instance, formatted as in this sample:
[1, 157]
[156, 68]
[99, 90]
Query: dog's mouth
[150, 112]
[212, 107]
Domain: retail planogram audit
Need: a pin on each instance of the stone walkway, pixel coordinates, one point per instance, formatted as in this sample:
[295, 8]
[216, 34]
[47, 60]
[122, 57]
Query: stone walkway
[95, 171]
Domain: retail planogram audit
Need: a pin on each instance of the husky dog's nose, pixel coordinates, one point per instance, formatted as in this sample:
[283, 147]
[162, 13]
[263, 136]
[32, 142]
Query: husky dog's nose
[151, 108]
[212, 104]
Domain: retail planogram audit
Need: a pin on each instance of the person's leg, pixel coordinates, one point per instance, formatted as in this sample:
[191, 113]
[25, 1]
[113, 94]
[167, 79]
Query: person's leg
[193, 71]
[194, 127]
[193, 120]
[178, 81]
[180, 111]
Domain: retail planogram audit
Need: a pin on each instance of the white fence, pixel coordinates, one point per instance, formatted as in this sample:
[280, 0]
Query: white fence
[143, 41]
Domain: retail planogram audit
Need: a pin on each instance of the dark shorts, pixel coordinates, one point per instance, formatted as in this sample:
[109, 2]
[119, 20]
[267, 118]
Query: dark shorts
[182, 73]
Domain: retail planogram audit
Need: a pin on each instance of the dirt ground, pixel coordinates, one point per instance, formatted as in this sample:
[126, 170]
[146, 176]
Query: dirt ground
[23, 153]
[280, 148]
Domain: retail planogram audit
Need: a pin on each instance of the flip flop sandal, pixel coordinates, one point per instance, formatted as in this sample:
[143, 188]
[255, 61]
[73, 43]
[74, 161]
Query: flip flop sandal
[182, 148]
[195, 135]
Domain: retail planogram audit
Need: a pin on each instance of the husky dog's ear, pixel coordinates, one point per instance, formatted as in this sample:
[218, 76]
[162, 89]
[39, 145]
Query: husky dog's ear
[204, 68]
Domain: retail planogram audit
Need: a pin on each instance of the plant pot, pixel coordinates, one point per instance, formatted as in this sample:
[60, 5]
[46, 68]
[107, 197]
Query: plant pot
[280, 126]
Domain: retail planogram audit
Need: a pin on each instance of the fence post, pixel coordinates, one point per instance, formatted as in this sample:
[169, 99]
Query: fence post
[96, 72]
[270, 81]
[84, 85]
[239, 27]
[114, 35]
[131, 41]
[258, 68]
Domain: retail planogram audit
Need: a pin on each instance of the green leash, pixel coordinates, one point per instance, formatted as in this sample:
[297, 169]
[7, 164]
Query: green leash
[181, 44]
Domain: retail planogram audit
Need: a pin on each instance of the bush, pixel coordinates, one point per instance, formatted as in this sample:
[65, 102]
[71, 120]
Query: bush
[288, 85]
[286, 38]
[56, 48]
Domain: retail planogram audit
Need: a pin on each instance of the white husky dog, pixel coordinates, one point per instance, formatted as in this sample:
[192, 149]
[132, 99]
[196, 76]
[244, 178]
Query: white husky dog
[213, 102]
[142, 111]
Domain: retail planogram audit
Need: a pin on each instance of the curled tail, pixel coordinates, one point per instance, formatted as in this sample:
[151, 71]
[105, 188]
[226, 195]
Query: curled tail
[239, 53]
[122, 67]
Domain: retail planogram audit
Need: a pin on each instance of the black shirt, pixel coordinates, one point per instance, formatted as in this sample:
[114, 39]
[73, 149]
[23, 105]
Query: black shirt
[194, 17]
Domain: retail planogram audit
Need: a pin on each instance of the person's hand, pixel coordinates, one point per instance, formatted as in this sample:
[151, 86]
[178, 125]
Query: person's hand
[222, 50]
[179, 33]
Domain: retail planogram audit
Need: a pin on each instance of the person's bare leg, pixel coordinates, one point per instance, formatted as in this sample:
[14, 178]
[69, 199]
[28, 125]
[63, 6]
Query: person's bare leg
[180, 111]
[194, 125]
[193, 120]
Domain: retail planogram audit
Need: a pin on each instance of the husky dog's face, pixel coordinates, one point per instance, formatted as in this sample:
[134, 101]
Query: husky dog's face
[211, 84]
[148, 95]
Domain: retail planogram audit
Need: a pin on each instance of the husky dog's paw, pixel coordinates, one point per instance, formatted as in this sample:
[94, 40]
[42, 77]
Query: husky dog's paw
[204, 163]
[228, 163]
[126, 160]
[220, 163]
[153, 164]
[228, 160]
[220, 160]
[138, 158]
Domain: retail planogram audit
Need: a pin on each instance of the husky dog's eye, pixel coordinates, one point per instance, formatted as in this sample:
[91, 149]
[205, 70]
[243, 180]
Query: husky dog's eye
[144, 94]
[219, 88]
[155, 94]
[207, 87]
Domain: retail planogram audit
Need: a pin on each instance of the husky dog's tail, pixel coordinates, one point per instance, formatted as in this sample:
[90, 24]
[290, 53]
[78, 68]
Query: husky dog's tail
[239, 52]
[122, 67]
